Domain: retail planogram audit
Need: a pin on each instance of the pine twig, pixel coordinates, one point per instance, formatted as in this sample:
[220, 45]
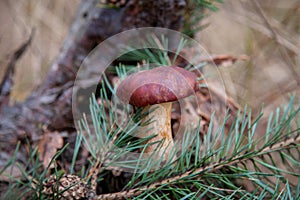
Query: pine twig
[209, 168]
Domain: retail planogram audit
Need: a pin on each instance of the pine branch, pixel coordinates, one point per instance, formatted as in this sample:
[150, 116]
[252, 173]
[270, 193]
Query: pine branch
[288, 143]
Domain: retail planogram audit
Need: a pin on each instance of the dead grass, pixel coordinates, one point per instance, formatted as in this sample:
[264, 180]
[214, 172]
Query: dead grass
[270, 34]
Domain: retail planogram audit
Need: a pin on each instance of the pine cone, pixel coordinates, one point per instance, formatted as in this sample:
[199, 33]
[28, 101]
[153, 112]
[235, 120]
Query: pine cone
[68, 187]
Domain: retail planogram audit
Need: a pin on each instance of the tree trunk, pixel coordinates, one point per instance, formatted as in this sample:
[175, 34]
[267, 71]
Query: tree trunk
[50, 104]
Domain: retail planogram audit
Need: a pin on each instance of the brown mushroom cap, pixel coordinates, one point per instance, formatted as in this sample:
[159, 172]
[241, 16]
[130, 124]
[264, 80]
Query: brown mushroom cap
[158, 85]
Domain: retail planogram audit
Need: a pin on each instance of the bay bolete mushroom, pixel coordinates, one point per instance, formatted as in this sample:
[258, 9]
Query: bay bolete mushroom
[155, 90]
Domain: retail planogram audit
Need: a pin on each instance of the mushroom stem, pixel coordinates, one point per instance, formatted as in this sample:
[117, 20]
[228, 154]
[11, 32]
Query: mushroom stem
[159, 124]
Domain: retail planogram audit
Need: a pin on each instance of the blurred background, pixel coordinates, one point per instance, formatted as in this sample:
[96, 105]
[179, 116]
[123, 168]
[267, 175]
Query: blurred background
[267, 31]
[50, 20]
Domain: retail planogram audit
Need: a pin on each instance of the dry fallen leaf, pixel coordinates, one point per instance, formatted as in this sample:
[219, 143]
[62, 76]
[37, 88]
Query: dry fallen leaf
[48, 146]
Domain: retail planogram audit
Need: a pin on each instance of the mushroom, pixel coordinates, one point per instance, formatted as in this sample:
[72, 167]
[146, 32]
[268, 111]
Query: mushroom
[155, 90]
